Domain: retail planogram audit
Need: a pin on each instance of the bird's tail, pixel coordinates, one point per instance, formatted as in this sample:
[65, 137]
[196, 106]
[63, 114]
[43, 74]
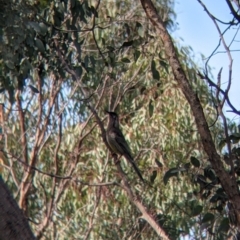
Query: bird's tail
[135, 167]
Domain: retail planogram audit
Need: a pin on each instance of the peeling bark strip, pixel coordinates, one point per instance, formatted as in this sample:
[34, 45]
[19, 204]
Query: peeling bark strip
[229, 185]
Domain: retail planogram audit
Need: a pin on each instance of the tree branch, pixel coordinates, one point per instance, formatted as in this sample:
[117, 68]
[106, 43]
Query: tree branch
[13, 224]
[135, 200]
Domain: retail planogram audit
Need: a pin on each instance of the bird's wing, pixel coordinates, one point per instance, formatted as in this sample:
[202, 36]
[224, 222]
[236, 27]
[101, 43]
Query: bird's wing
[121, 142]
[123, 148]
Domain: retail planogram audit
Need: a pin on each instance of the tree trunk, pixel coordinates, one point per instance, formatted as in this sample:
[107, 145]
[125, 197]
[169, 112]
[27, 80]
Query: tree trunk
[13, 224]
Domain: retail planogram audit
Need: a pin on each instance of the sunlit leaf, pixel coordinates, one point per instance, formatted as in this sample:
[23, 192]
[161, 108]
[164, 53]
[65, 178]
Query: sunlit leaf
[140, 29]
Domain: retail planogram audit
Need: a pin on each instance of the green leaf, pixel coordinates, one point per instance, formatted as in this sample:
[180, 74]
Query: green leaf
[170, 173]
[43, 28]
[235, 137]
[127, 44]
[224, 225]
[29, 41]
[136, 55]
[150, 108]
[208, 217]
[220, 191]
[153, 65]
[125, 60]
[220, 195]
[140, 29]
[86, 61]
[236, 151]
[195, 162]
[155, 73]
[35, 90]
[110, 48]
[35, 26]
[103, 41]
[39, 45]
[196, 210]
[201, 179]
[153, 176]
[9, 64]
[93, 10]
[164, 65]
[56, 20]
[209, 173]
[92, 60]
[159, 164]
[60, 9]
[79, 71]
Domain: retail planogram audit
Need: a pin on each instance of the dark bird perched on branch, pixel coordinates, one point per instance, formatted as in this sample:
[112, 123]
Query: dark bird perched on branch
[117, 141]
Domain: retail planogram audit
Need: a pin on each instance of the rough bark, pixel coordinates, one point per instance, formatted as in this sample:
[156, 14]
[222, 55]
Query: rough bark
[13, 224]
[228, 183]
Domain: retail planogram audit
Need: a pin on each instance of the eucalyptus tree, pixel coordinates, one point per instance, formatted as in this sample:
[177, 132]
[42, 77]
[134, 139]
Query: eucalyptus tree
[63, 64]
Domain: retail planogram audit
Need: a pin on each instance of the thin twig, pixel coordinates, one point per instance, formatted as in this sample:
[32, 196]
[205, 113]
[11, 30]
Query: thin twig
[211, 83]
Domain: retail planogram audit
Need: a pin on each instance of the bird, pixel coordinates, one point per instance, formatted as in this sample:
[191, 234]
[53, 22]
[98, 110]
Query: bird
[117, 142]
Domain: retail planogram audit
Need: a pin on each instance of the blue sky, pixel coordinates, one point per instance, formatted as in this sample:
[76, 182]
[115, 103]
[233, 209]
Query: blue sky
[198, 31]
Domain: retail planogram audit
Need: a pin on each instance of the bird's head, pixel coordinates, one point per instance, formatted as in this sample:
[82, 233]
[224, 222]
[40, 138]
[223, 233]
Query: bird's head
[113, 119]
